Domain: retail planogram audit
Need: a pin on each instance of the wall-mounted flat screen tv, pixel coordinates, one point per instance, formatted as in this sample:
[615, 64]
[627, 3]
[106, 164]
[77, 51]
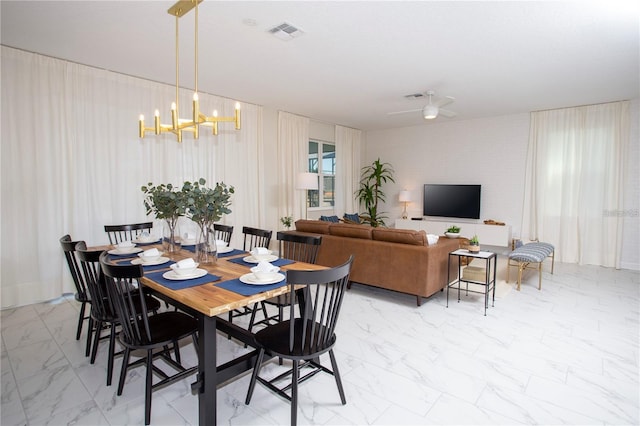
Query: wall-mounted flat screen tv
[456, 201]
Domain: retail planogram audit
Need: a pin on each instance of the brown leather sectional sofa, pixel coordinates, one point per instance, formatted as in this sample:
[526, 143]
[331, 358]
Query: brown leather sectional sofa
[394, 259]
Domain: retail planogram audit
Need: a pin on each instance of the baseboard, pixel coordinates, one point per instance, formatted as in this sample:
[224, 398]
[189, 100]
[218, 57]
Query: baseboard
[629, 265]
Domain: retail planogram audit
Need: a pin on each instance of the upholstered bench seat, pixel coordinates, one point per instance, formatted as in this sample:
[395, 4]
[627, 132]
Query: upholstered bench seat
[531, 253]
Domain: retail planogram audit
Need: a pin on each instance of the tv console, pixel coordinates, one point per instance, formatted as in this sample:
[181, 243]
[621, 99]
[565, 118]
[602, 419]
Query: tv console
[491, 235]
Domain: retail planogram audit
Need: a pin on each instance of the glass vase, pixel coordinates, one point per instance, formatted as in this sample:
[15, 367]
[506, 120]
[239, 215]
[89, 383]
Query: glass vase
[171, 240]
[206, 249]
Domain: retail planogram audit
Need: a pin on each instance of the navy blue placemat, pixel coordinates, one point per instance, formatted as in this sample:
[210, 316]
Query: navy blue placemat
[191, 248]
[239, 287]
[149, 268]
[150, 243]
[277, 262]
[117, 257]
[179, 285]
[233, 252]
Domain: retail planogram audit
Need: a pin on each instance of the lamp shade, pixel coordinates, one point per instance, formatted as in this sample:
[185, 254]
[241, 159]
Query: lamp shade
[307, 181]
[430, 112]
[405, 196]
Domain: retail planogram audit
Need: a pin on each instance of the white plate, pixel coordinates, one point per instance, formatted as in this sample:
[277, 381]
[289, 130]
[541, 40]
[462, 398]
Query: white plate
[122, 253]
[171, 275]
[251, 259]
[149, 241]
[251, 279]
[186, 242]
[158, 261]
[224, 249]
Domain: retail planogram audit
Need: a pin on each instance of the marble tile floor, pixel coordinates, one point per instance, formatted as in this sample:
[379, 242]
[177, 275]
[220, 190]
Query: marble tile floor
[568, 354]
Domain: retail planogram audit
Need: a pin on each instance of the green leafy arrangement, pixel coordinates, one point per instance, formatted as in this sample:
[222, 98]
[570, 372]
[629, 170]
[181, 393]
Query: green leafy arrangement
[204, 205]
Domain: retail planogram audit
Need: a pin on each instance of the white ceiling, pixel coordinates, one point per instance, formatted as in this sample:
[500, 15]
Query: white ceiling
[356, 60]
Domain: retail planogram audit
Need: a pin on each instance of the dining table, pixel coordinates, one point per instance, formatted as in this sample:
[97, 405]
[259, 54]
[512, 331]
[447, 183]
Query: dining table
[207, 297]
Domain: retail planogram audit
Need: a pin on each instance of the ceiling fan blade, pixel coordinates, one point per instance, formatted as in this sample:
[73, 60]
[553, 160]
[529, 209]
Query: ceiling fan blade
[447, 113]
[403, 112]
[444, 101]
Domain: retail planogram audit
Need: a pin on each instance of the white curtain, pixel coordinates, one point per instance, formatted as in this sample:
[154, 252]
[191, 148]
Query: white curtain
[72, 162]
[348, 147]
[574, 182]
[293, 153]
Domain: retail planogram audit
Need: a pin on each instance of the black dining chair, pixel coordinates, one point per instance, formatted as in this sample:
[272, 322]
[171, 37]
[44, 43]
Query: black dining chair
[223, 232]
[305, 336]
[298, 247]
[253, 237]
[153, 335]
[102, 313]
[82, 294]
[127, 232]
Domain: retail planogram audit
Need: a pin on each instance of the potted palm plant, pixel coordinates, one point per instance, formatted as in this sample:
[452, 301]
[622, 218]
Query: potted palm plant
[205, 206]
[166, 203]
[370, 192]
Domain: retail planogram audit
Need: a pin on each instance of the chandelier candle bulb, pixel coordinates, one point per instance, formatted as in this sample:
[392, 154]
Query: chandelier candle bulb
[156, 122]
[174, 116]
[196, 110]
[141, 126]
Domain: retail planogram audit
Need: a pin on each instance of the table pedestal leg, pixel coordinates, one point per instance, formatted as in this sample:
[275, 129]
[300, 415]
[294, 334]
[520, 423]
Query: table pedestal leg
[207, 370]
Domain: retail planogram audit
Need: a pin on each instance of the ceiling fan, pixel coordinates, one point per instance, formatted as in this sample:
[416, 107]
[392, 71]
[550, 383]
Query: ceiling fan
[432, 109]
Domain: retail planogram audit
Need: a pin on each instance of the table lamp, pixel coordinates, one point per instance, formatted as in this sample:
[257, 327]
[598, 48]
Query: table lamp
[404, 197]
[307, 181]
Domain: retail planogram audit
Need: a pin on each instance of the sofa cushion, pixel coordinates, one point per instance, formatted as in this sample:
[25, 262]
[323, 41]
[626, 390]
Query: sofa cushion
[312, 226]
[401, 236]
[351, 218]
[350, 230]
[333, 219]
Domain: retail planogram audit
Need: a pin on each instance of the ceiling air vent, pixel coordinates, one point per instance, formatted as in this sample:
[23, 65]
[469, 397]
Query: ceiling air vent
[414, 96]
[286, 31]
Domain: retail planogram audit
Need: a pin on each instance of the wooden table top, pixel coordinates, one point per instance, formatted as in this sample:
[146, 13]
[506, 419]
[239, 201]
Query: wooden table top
[210, 299]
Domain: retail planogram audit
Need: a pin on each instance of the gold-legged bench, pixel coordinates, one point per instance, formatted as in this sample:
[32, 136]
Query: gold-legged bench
[531, 253]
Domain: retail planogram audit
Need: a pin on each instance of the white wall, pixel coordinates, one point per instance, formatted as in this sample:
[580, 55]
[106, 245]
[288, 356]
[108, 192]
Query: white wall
[491, 152]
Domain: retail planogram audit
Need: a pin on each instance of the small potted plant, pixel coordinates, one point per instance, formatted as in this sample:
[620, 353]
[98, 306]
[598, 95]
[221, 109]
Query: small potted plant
[453, 231]
[474, 244]
[287, 221]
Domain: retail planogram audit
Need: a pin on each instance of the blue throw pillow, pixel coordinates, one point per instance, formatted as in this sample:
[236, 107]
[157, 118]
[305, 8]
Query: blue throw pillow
[352, 217]
[333, 219]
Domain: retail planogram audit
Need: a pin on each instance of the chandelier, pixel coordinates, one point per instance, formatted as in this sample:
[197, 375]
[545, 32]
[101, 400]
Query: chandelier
[192, 124]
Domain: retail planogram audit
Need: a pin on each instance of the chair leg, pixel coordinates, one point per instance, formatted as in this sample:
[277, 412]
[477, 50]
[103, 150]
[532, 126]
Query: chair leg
[540, 276]
[254, 376]
[123, 371]
[336, 375]
[148, 388]
[176, 349]
[112, 350]
[87, 350]
[83, 306]
[253, 316]
[295, 373]
[96, 339]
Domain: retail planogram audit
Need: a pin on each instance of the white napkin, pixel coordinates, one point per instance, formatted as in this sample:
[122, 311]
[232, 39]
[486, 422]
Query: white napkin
[151, 252]
[260, 250]
[221, 243]
[186, 263]
[264, 266]
[432, 239]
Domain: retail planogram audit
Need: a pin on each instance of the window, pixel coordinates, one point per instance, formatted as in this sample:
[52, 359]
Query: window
[322, 160]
